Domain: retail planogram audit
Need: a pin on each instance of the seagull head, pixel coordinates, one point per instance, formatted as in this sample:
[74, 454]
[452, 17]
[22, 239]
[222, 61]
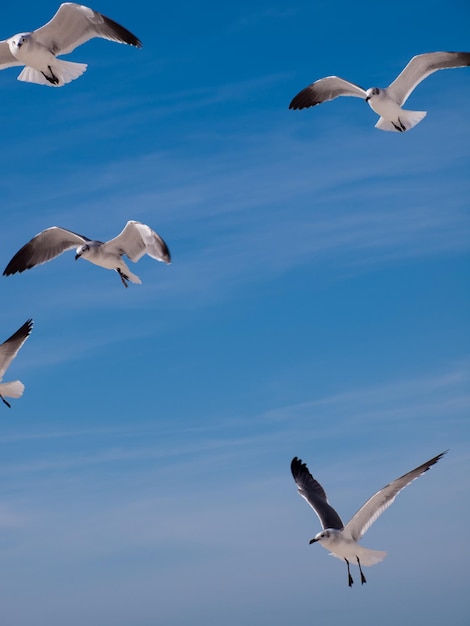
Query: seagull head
[370, 93]
[17, 41]
[327, 537]
[81, 250]
[324, 534]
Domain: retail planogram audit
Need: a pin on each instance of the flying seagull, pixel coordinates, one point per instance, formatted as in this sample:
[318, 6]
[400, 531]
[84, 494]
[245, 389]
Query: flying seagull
[343, 540]
[72, 25]
[8, 351]
[135, 240]
[385, 102]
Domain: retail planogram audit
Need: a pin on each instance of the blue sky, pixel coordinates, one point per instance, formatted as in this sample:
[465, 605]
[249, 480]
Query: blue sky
[317, 306]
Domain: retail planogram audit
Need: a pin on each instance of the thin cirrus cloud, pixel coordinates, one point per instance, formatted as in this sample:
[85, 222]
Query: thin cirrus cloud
[69, 498]
[427, 397]
[398, 403]
[216, 203]
[313, 308]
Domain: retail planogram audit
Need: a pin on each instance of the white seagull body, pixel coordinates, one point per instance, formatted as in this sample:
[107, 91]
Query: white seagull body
[342, 540]
[134, 241]
[8, 350]
[72, 25]
[385, 102]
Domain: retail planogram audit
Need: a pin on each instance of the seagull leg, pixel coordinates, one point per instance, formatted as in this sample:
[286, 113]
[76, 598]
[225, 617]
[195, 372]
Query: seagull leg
[350, 578]
[53, 78]
[123, 277]
[3, 400]
[400, 127]
[363, 578]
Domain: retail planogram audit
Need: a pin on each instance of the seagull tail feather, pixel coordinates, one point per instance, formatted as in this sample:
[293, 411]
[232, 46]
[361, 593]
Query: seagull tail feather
[64, 71]
[405, 121]
[12, 390]
[371, 557]
[365, 555]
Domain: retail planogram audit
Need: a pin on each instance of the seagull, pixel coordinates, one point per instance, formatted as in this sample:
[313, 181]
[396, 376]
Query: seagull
[343, 540]
[385, 102]
[72, 25]
[135, 240]
[8, 350]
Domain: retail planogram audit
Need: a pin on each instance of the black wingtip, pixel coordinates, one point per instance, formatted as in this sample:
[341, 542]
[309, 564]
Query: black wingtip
[435, 459]
[166, 254]
[295, 462]
[15, 267]
[22, 332]
[21, 260]
[303, 100]
[29, 325]
[297, 467]
[124, 35]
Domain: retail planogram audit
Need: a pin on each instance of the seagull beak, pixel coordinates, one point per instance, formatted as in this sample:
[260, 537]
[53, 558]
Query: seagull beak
[77, 256]
[367, 98]
[312, 541]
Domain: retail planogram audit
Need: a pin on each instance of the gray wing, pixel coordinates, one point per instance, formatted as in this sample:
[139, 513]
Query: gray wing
[73, 24]
[43, 247]
[6, 57]
[313, 492]
[9, 348]
[420, 67]
[376, 505]
[326, 89]
[137, 239]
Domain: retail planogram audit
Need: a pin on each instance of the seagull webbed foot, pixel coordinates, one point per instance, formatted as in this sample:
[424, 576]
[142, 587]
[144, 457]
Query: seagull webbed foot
[350, 578]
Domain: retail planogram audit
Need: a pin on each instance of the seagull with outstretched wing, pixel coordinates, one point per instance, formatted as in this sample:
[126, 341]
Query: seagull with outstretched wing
[135, 240]
[342, 540]
[385, 102]
[72, 25]
[8, 350]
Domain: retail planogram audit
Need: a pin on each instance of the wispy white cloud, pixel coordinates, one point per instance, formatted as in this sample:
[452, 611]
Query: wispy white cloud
[173, 502]
[258, 208]
[427, 399]
[444, 395]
